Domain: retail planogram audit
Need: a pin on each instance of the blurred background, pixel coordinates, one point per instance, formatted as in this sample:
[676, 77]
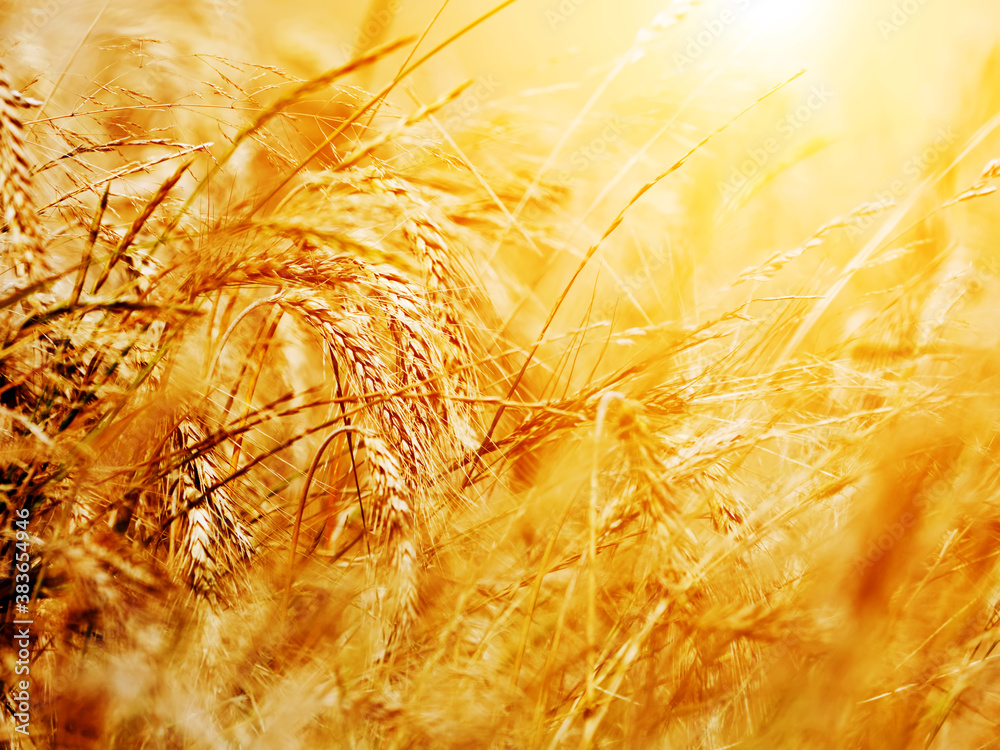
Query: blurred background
[586, 100]
[606, 95]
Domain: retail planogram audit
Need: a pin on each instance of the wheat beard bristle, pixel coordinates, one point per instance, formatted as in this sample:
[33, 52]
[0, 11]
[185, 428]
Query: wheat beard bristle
[16, 202]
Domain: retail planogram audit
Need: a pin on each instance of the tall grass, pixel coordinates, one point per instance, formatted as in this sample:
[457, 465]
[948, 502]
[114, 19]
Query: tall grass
[336, 429]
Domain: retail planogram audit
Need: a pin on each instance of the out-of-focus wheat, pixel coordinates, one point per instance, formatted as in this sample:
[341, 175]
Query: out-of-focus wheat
[246, 407]
[20, 221]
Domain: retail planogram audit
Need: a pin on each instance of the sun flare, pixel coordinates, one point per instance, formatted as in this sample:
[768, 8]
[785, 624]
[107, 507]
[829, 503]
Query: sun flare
[784, 25]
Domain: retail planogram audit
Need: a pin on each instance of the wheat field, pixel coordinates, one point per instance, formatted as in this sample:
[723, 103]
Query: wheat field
[522, 374]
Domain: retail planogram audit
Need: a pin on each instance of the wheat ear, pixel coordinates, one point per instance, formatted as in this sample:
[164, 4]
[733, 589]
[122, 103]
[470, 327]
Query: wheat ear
[392, 519]
[16, 196]
[213, 541]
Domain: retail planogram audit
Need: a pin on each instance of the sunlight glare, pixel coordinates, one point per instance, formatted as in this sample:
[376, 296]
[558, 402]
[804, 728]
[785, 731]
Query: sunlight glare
[787, 20]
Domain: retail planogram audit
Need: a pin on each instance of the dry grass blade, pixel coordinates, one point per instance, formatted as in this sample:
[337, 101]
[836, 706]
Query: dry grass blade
[140, 221]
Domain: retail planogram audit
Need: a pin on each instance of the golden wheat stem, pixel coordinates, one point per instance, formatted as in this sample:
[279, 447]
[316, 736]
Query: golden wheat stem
[261, 345]
[246, 311]
[95, 230]
[300, 512]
